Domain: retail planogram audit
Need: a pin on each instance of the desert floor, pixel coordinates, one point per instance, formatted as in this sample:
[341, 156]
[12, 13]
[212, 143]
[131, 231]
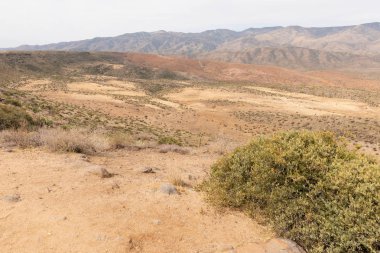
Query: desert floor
[64, 207]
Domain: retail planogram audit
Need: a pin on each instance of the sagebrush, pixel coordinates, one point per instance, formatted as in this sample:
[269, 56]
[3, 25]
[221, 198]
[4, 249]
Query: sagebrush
[308, 185]
[13, 117]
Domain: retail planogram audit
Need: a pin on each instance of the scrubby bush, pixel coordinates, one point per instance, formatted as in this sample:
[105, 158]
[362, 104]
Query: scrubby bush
[165, 148]
[120, 140]
[169, 140]
[72, 140]
[15, 117]
[20, 138]
[308, 185]
[167, 74]
[12, 101]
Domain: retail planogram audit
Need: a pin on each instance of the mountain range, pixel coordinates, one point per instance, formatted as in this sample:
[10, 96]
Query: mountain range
[292, 46]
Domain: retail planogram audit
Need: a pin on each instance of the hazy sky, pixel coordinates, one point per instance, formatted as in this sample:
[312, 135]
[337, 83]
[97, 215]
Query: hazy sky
[47, 21]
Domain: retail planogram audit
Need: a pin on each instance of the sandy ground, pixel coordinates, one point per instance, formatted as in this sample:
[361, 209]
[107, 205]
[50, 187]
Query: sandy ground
[203, 109]
[64, 208]
[281, 101]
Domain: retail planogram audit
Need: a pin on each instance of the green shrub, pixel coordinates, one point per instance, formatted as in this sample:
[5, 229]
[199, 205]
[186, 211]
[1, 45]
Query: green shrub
[169, 140]
[167, 74]
[13, 102]
[308, 185]
[15, 117]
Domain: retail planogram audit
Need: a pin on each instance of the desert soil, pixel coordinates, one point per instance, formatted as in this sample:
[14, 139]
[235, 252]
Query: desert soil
[51, 202]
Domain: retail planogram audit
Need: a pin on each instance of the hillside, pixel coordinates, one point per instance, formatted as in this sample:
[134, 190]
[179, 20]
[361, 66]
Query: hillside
[148, 128]
[293, 57]
[63, 66]
[293, 46]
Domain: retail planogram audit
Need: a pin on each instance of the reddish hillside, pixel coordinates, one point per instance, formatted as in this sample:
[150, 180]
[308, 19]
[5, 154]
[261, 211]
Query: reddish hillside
[223, 71]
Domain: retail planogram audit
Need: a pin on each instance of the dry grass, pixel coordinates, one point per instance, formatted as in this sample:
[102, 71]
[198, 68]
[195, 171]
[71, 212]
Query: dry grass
[74, 140]
[80, 140]
[166, 148]
[20, 138]
[120, 140]
[177, 180]
[222, 145]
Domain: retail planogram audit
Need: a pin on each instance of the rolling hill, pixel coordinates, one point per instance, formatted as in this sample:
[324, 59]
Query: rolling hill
[293, 46]
[63, 66]
[294, 57]
[359, 39]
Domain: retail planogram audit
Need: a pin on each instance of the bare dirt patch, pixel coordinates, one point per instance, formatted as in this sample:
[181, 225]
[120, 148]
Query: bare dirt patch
[72, 211]
[282, 101]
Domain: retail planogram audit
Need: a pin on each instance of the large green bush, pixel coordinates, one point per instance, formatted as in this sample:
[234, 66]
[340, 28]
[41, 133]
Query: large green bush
[308, 185]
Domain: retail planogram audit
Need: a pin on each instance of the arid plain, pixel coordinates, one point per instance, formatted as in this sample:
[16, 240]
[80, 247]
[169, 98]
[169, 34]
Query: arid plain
[173, 126]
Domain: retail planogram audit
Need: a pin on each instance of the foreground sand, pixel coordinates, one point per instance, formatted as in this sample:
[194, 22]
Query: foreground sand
[51, 202]
[64, 208]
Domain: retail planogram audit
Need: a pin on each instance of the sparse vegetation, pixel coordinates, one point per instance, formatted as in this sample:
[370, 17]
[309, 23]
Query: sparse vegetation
[177, 180]
[309, 186]
[350, 127]
[127, 111]
[167, 74]
[158, 87]
[120, 140]
[14, 117]
[173, 148]
[20, 138]
[73, 140]
[169, 140]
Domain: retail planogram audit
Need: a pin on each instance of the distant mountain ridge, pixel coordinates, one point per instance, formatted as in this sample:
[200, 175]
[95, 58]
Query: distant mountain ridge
[293, 46]
[294, 57]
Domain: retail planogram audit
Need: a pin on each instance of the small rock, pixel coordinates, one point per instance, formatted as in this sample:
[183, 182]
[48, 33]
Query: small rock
[12, 198]
[100, 171]
[279, 245]
[168, 189]
[148, 170]
[115, 186]
[85, 158]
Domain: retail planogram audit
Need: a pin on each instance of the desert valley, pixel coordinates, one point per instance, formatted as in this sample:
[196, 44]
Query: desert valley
[108, 151]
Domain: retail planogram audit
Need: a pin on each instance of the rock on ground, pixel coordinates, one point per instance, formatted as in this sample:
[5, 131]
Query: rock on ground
[100, 171]
[279, 245]
[168, 189]
[148, 170]
[12, 198]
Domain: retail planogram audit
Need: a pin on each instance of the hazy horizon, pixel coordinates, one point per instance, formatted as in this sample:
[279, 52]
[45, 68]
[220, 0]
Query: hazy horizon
[46, 21]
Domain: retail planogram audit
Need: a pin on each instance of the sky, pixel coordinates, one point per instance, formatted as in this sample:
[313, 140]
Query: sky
[49, 21]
